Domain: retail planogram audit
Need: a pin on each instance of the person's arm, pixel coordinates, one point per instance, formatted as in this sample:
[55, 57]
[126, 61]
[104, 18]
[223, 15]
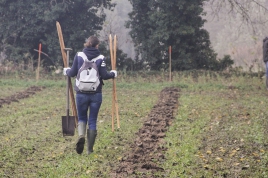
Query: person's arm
[105, 75]
[72, 72]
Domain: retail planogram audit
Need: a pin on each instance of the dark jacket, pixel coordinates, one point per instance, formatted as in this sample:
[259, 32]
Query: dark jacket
[78, 61]
[265, 49]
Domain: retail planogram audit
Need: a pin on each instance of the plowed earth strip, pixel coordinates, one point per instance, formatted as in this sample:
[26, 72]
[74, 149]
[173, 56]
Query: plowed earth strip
[20, 95]
[146, 151]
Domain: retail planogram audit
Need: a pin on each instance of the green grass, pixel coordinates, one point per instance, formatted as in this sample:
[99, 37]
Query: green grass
[212, 118]
[220, 128]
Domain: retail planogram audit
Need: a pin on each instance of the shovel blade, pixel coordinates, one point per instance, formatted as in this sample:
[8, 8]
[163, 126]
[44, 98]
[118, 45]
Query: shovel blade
[68, 125]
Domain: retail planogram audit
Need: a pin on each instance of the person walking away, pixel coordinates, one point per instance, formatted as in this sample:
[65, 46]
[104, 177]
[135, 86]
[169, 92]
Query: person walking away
[89, 101]
[265, 59]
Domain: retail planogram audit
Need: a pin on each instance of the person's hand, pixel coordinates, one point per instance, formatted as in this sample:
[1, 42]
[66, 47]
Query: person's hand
[115, 73]
[65, 70]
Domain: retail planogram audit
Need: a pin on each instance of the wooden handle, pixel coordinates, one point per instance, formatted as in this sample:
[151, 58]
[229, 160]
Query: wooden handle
[64, 58]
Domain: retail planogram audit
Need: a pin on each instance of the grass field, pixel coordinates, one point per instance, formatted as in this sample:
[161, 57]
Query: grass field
[220, 129]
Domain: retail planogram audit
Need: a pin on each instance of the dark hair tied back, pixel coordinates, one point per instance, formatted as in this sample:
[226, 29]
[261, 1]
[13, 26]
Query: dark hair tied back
[92, 41]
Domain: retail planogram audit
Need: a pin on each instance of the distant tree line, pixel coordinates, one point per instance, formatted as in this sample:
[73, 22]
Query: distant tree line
[154, 25]
[25, 24]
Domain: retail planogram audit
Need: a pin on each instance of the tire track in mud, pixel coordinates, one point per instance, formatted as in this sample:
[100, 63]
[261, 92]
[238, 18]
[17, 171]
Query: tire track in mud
[20, 95]
[146, 152]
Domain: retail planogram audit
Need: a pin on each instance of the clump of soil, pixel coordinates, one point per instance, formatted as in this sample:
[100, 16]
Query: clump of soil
[146, 152]
[20, 95]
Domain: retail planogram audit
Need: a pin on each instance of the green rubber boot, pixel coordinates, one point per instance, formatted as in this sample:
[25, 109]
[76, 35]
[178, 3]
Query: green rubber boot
[81, 137]
[91, 136]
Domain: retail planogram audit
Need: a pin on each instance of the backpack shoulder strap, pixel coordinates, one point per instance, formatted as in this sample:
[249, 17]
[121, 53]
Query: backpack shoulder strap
[83, 55]
[96, 58]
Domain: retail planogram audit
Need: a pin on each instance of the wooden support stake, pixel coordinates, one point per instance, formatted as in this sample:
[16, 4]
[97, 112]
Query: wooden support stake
[112, 45]
[115, 94]
[38, 64]
[170, 78]
[113, 104]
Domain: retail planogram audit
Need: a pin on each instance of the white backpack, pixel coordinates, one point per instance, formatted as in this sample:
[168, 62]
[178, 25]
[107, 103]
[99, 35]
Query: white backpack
[88, 78]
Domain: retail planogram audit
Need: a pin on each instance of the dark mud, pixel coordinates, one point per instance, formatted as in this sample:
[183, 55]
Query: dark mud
[20, 95]
[147, 152]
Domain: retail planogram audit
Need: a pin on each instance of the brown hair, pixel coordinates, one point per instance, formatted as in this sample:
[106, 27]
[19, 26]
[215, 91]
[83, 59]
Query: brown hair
[92, 41]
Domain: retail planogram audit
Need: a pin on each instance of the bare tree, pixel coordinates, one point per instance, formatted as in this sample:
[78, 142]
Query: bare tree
[243, 8]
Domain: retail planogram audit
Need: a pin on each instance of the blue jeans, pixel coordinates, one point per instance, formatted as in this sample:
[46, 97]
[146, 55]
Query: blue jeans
[266, 66]
[88, 102]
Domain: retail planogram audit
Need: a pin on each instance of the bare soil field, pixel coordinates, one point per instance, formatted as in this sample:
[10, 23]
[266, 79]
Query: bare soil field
[146, 152]
[20, 95]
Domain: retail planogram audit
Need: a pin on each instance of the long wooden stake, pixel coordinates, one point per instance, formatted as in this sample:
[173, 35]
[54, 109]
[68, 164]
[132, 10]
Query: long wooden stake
[38, 64]
[113, 103]
[169, 51]
[64, 57]
[115, 95]
[113, 63]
